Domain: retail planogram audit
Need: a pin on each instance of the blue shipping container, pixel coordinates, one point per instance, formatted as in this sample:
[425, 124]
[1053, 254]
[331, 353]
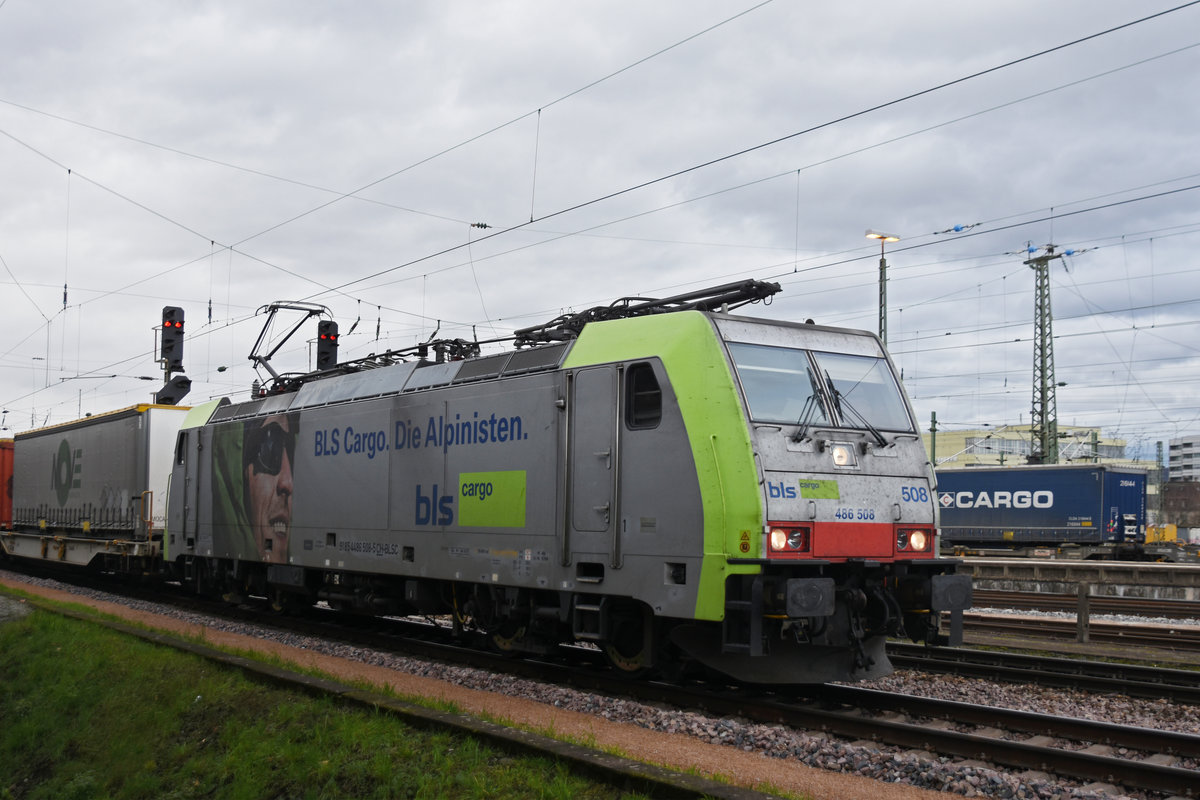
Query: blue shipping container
[1086, 504]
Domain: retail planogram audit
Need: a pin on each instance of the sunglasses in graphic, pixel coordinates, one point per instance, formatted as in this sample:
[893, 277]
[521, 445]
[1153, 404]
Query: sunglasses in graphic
[266, 446]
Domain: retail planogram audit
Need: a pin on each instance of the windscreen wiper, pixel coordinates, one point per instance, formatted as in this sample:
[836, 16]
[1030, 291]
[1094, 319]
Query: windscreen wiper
[814, 401]
[842, 402]
[810, 405]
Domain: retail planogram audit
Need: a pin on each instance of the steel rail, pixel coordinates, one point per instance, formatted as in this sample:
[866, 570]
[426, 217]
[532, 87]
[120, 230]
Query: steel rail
[1164, 636]
[1029, 754]
[1097, 604]
[1158, 683]
[1081, 730]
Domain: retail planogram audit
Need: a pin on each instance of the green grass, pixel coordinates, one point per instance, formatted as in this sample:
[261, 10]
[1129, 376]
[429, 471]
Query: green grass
[89, 713]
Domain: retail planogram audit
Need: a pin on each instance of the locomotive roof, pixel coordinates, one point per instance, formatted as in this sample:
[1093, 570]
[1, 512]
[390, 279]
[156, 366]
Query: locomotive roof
[605, 340]
[409, 376]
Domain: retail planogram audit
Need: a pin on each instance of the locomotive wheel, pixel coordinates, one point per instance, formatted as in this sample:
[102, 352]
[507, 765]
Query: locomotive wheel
[505, 640]
[284, 602]
[630, 663]
[629, 648]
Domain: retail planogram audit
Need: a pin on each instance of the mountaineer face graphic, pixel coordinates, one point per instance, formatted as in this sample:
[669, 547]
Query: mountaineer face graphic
[269, 454]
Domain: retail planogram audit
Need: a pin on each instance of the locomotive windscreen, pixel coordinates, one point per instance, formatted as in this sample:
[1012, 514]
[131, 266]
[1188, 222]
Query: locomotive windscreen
[865, 392]
[780, 383]
[792, 386]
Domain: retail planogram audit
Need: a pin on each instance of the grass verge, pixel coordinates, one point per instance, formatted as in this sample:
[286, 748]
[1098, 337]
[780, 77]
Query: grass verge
[89, 713]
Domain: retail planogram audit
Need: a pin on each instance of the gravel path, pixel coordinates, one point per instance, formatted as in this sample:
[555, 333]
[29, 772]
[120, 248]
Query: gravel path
[784, 746]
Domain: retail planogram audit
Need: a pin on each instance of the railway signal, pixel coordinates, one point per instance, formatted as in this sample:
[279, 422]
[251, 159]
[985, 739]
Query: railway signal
[327, 344]
[171, 344]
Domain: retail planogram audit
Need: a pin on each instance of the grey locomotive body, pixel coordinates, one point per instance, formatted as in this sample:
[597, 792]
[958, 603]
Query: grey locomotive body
[672, 486]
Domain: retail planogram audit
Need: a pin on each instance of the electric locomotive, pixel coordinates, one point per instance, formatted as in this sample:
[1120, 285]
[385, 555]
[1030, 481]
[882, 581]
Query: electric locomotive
[663, 479]
[660, 478]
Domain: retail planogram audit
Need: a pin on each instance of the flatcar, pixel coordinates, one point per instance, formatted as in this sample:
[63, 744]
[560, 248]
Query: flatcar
[663, 479]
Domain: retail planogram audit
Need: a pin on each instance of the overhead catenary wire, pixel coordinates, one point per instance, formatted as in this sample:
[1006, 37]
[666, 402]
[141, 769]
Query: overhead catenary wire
[647, 183]
[795, 134]
[426, 274]
[355, 193]
[627, 218]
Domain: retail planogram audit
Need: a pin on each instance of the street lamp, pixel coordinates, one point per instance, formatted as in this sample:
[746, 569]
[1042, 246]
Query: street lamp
[883, 238]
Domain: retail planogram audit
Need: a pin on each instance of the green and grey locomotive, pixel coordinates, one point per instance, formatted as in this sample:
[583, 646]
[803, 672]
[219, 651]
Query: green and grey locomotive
[667, 481]
[658, 478]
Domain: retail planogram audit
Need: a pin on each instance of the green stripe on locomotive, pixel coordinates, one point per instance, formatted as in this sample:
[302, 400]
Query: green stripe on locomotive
[694, 359]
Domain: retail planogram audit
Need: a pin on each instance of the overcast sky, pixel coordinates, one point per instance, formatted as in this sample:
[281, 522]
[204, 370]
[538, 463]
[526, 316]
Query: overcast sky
[231, 154]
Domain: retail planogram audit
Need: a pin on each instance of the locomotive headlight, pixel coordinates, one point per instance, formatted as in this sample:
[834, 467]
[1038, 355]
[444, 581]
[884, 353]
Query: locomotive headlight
[913, 540]
[843, 454]
[779, 539]
[918, 540]
[788, 540]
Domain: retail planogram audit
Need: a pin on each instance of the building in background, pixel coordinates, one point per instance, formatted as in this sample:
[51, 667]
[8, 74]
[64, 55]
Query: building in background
[1183, 459]
[1180, 495]
[1010, 445]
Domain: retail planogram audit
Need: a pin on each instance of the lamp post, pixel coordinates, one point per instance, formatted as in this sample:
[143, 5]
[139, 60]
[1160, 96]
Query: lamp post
[883, 238]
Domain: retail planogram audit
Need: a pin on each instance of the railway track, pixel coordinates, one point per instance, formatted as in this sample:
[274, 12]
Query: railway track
[1153, 761]
[1155, 683]
[1097, 604]
[1070, 748]
[1136, 758]
[1179, 638]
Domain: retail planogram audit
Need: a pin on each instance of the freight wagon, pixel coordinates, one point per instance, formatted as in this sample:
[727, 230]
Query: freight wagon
[93, 492]
[1081, 511]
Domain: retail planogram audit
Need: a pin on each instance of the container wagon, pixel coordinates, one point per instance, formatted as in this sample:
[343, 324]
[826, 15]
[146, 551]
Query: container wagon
[93, 492]
[1081, 511]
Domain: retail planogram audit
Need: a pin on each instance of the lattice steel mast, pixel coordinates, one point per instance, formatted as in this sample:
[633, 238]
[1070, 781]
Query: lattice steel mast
[1044, 417]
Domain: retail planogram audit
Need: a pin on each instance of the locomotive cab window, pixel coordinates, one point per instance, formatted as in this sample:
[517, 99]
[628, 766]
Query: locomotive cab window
[780, 384]
[864, 392]
[796, 387]
[643, 397]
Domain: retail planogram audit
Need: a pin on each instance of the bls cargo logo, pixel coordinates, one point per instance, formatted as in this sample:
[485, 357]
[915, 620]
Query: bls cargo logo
[485, 500]
[807, 488]
[64, 472]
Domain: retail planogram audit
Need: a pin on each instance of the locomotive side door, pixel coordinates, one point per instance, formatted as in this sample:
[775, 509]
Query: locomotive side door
[198, 535]
[183, 496]
[593, 464]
